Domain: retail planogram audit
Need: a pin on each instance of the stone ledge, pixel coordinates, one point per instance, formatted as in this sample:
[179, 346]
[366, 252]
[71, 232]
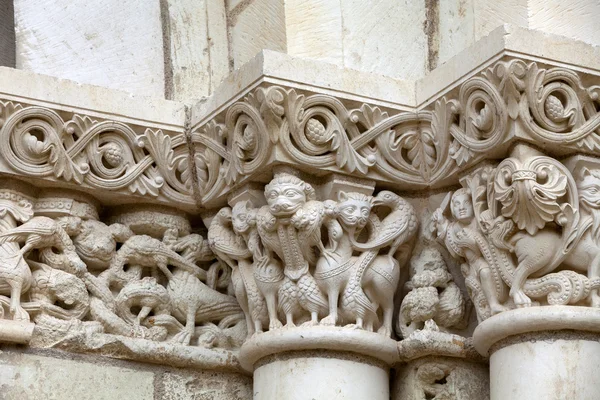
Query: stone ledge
[318, 337]
[534, 319]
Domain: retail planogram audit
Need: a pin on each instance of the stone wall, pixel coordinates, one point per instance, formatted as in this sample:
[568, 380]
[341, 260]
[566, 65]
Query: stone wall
[300, 199]
[182, 50]
[56, 375]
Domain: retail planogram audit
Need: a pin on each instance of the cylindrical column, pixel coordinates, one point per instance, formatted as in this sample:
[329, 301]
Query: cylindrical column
[319, 363]
[549, 353]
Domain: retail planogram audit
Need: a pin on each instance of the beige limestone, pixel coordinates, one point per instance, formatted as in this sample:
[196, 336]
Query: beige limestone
[377, 34]
[314, 30]
[7, 35]
[198, 43]
[259, 25]
[213, 385]
[438, 378]
[113, 43]
[320, 377]
[30, 376]
[545, 367]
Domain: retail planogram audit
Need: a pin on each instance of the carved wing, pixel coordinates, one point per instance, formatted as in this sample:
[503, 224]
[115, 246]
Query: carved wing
[223, 240]
[35, 226]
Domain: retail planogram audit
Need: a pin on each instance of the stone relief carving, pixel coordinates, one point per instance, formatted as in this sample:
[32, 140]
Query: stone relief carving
[551, 105]
[434, 300]
[301, 260]
[525, 230]
[147, 277]
[109, 155]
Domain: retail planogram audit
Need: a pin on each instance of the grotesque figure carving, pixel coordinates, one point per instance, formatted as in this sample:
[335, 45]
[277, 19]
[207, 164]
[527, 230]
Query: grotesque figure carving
[463, 239]
[433, 295]
[226, 241]
[290, 226]
[340, 274]
[336, 264]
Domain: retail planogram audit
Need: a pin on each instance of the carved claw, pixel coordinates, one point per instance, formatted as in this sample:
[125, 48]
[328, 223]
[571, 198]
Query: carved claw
[385, 331]
[521, 299]
[275, 324]
[19, 314]
[184, 337]
[595, 299]
[329, 320]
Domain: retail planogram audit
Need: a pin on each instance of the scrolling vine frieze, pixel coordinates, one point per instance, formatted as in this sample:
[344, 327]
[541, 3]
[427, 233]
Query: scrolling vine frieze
[102, 154]
[511, 100]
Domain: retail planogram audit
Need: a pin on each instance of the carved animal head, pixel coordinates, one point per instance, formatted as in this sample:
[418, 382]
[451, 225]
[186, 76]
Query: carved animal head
[461, 205]
[589, 196]
[354, 209]
[224, 215]
[286, 194]
[96, 243]
[68, 289]
[243, 217]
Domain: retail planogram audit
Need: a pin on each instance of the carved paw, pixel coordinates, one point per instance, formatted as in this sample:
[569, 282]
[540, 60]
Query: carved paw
[498, 308]
[19, 314]
[595, 299]
[183, 337]
[310, 323]
[521, 299]
[329, 320]
[385, 331]
[275, 324]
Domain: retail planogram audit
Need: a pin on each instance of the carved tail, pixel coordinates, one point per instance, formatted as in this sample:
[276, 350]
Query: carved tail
[256, 302]
[225, 306]
[354, 299]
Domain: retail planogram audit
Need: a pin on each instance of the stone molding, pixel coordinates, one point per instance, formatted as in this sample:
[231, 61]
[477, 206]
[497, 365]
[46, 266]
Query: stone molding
[512, 100]
[519, 133]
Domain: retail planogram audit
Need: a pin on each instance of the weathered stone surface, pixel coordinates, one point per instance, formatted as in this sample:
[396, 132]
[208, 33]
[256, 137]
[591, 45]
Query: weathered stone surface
[7, 34]
[259, 25]
[315, 30]
[197, 38]
[385, 37]
[30, 376]
[82, 41]
[208, 385]
[441, 378]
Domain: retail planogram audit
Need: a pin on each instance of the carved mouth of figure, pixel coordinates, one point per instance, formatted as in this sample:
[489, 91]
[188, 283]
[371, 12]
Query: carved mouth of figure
[283, 208]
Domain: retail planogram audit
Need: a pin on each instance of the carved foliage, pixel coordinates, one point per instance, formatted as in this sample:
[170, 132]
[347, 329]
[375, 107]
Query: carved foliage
[109, 155]
[551, 105]
[523, 222]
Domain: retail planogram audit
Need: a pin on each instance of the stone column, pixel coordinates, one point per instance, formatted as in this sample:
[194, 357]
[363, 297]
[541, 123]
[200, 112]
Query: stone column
[319, 363]
[542, 352]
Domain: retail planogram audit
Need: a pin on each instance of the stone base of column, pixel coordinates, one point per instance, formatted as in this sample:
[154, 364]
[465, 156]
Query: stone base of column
[320, 362]
[550, 353]
[435, 377]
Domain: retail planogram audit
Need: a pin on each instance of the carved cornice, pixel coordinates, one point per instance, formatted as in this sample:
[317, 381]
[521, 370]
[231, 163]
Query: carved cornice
[111, 159]
[510, 101]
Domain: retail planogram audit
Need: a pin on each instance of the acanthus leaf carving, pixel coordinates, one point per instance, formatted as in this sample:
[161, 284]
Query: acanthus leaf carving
[37, 142]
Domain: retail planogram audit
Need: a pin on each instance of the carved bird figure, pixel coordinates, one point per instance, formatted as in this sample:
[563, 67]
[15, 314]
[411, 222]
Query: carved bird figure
[231, 248]
[145, 251]
[40, 232]
[396, 228]
[195, 303]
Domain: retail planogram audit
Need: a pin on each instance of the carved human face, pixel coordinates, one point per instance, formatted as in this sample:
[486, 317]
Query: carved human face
[462, 209]
[354, 213]
[285, 200]
[239, 219]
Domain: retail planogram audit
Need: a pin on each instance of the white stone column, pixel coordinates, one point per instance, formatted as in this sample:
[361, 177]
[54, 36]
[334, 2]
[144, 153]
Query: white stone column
[319, 363]
[548, 352]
